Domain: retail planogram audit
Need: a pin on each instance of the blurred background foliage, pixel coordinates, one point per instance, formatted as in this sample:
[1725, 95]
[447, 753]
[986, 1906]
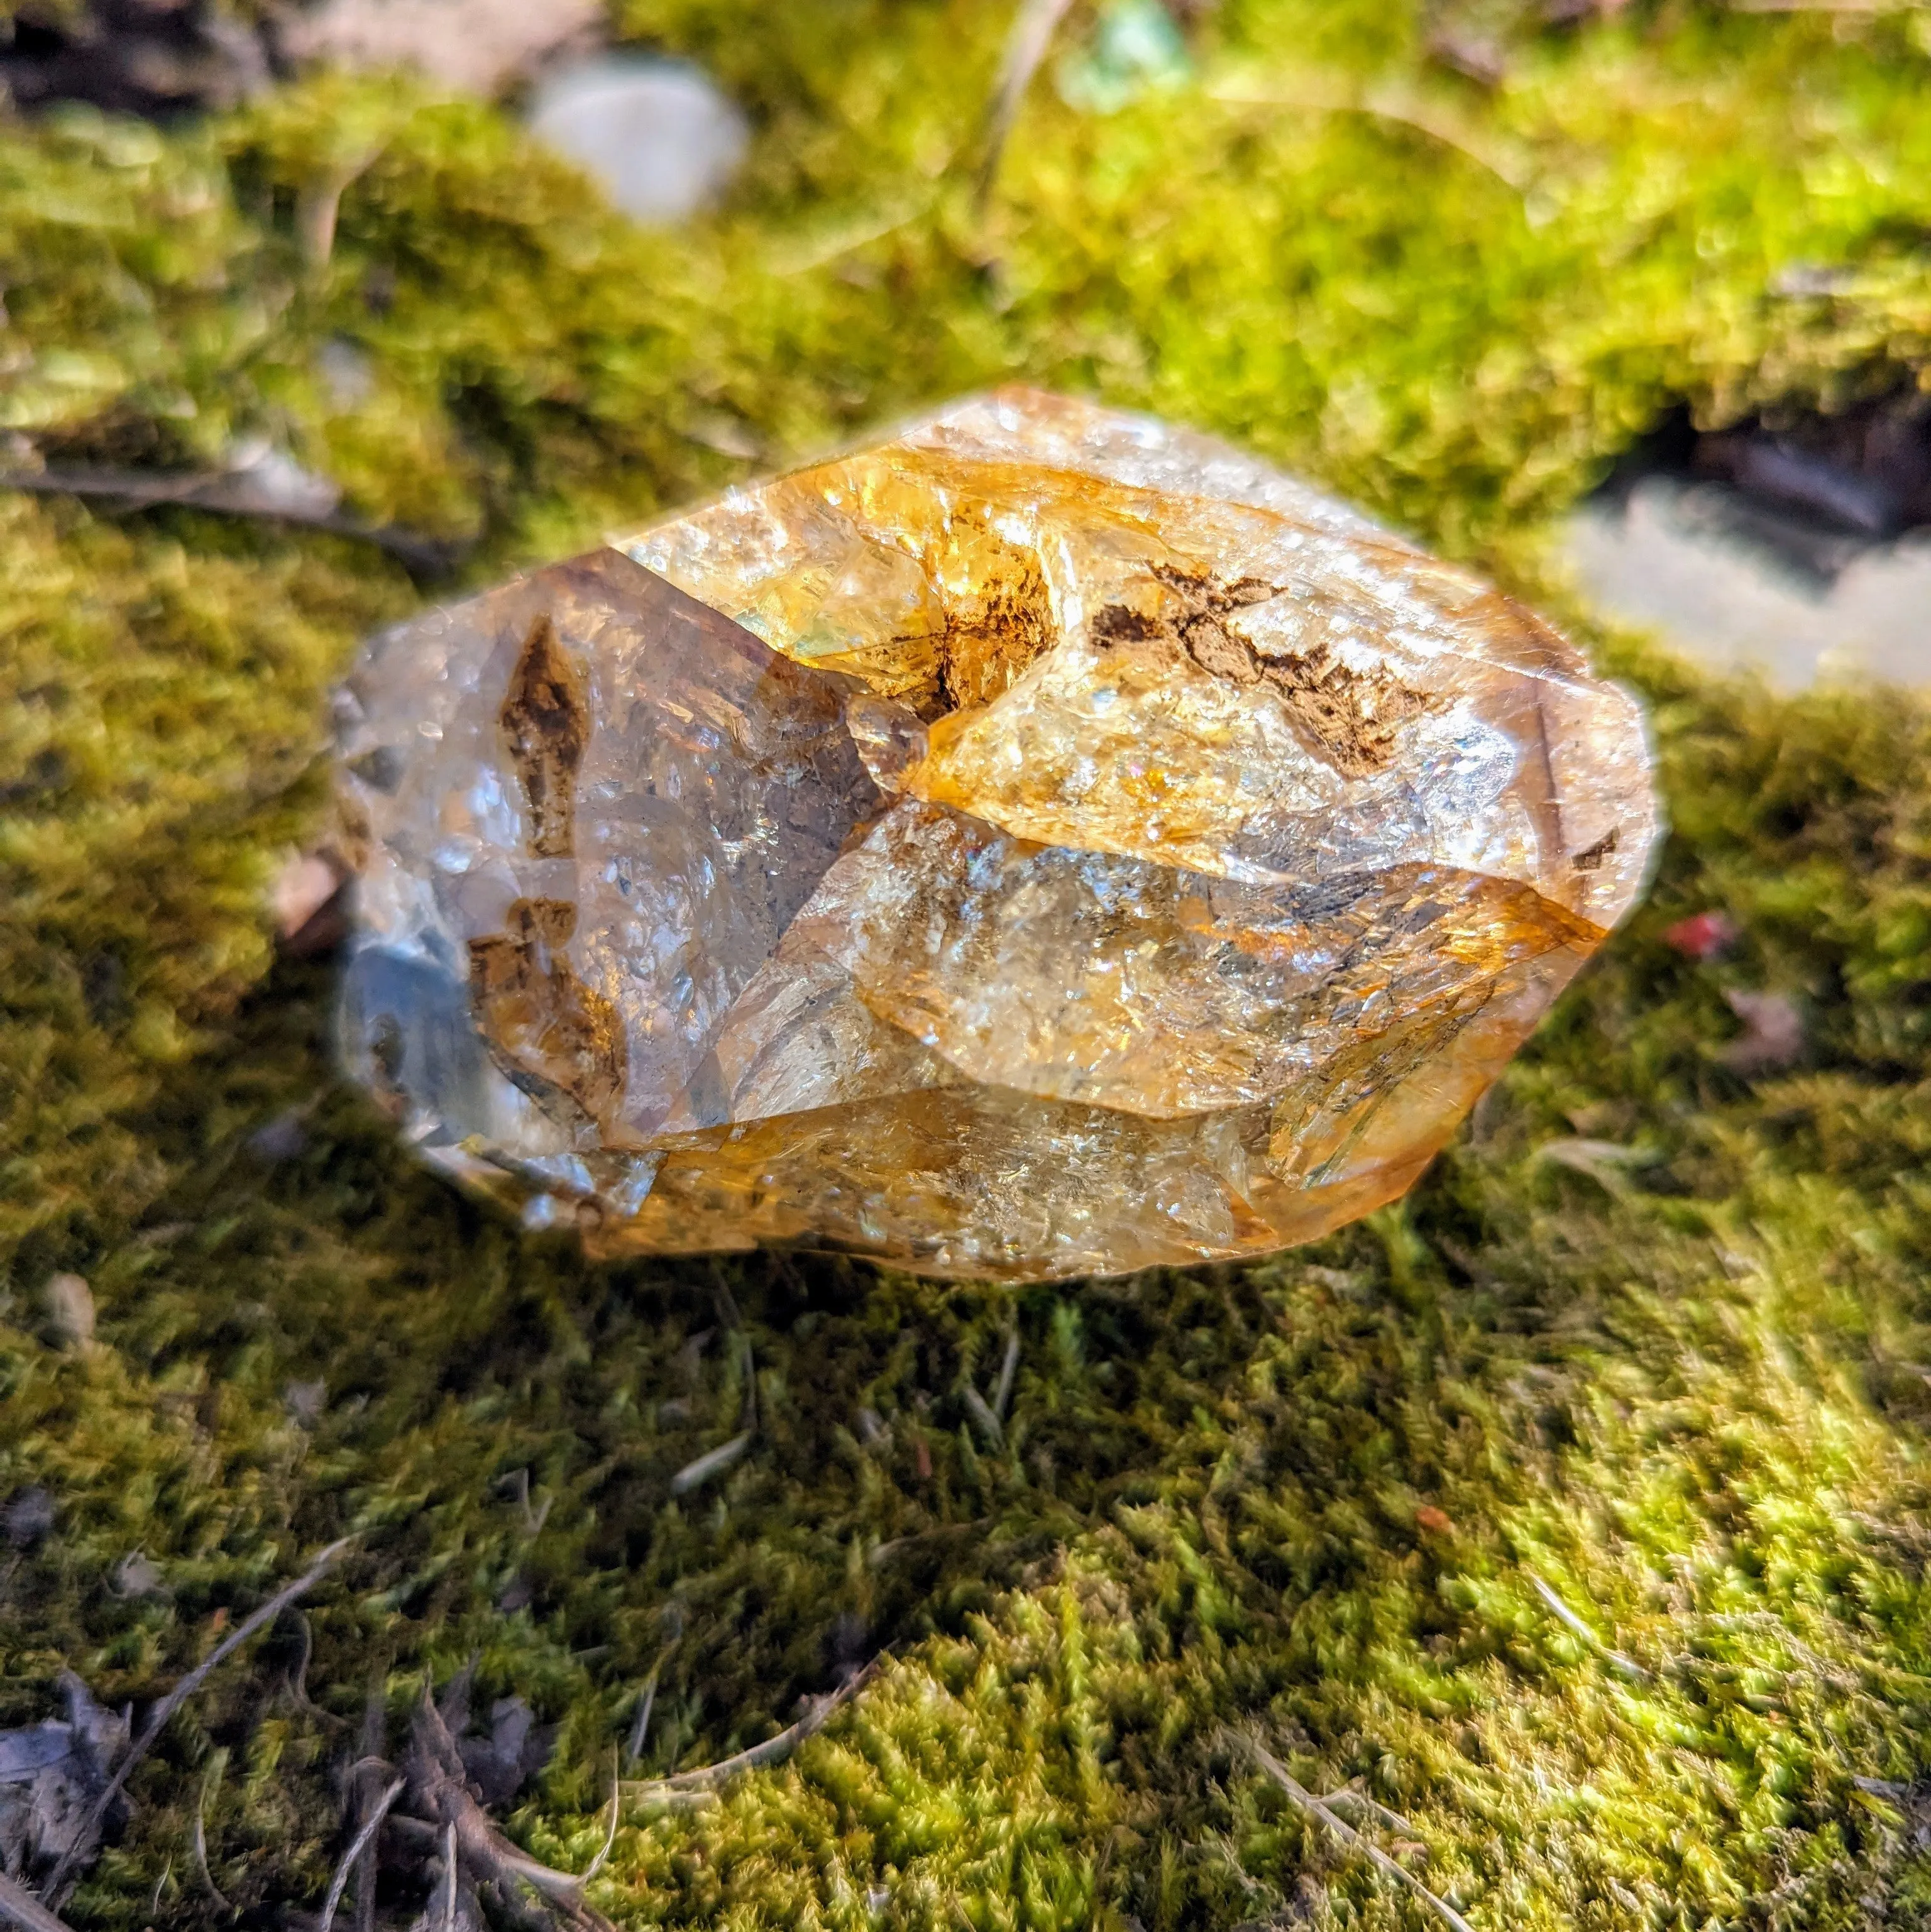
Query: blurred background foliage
[1654, 1332]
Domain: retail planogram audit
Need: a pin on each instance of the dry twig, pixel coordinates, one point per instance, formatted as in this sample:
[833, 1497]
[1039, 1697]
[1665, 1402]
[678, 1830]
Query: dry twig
[1003, 1395]
[1317, 1808]
[361, 1787]
[21, 1910]
[596, 1864]
[713, 1463]
[439, 1787]
[297, 1678]
[449, 1879]
[158, 1719]
[339, 1883]
[215, 1891]
[981, 1412]
[683, 1785]
[1349, 1794]
[1627, 1666]
[517, 1482]
[1397, 107]
[318, 205]
[233, 493]
[640, 1730]
[1034, 26]
[1865, 9]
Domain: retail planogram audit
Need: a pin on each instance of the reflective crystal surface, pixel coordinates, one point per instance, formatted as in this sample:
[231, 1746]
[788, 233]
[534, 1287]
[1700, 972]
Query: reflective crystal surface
[1048, 843]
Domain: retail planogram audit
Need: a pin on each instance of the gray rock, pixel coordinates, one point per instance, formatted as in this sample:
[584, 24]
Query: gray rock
[1670, 559]
[50, 1774]
[659, 137]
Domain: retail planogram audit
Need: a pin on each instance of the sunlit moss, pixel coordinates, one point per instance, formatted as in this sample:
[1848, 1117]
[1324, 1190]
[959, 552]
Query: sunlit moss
[1687, 1391]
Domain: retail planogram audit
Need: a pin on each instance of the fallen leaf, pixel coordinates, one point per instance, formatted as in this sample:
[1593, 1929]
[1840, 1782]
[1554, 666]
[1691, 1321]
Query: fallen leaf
[50, 1774]
[1704, 935]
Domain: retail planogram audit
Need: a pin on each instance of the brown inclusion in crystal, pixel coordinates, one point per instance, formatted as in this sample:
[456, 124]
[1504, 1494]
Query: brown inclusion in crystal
[998, 618]
[1351, 716]
[552, 1034]
[546, 724]
[1046, 843]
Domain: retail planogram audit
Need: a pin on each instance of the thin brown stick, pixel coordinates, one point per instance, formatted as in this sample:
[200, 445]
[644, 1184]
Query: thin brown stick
[1627, 1666]
[944, 1532]
[533, 1519]
[713, 1462]
[596, 1864]
[750, 1383]
[441, 1789]
[20, 1909]
[1027, 46]
[1864, 8]
[708, 1777]
[640, 1731]
[1398, 111]
[981, 1412]
[318, 205]
[185, 1689]
[1002, 1396]
[1316, 1809]
[449, 1879]
[339, 1883]
[215, 1891]
[362, 1790]
[1349, 1795]
[297, 1678]
[229, 493]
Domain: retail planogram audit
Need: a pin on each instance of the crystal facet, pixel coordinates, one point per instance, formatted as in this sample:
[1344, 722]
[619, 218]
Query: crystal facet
[1048, 843]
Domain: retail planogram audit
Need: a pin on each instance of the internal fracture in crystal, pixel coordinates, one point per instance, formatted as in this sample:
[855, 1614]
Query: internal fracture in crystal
[1048, 843]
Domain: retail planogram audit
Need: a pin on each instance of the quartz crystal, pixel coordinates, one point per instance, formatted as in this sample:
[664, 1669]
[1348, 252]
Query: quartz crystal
[1047, 843]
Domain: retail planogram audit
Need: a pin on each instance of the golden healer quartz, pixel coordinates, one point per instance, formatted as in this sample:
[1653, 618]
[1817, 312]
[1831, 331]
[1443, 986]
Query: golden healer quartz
[1047, 843]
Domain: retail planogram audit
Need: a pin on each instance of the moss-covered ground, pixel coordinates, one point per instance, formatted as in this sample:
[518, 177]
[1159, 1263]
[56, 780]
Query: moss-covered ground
[1656, 1331]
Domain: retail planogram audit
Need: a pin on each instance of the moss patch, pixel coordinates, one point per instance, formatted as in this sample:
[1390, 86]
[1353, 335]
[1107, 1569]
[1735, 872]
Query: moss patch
[1682, 1381]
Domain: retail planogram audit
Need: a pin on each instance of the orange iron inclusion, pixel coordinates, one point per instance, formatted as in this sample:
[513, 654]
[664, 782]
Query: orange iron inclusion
[1047, 843]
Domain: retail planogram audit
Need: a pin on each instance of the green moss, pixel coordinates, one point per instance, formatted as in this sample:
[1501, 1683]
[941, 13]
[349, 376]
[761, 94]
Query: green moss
[1307, 1497]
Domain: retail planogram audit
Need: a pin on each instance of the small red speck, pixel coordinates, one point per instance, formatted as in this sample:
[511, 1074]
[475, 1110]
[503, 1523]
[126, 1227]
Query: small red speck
[922, 1459]
[1703, 935]
[1437, 1521]
[218, 1622]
